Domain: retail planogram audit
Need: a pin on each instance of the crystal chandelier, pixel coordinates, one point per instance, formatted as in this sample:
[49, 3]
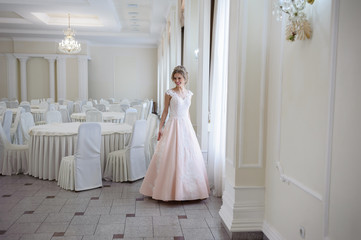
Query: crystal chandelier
[298, 27]
[69, 45]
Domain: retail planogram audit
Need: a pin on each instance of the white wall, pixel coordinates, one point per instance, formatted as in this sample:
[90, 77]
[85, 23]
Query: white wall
[122, 72]
[308, 135]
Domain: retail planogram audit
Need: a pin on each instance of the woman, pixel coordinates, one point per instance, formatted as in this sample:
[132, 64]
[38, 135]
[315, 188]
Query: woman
[176, 171]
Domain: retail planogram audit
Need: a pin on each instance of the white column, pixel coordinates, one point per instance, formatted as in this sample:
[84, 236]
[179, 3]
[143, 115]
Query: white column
[83, 77]
[12, 82]
[23, 87]
[51, 61]
[203, 73]
[61, 76]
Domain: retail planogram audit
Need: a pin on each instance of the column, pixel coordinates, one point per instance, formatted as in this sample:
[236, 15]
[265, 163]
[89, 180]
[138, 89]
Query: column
[12, 76]
[61, 77]
[83, 77]
[23, 87]
[51, 61]
[244, 195]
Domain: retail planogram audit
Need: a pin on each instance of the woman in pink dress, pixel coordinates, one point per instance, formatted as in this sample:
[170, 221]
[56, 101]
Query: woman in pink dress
[176, 171]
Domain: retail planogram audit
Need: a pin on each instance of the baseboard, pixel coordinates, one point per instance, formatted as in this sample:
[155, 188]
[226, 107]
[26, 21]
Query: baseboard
[271, 233]
[243, 208]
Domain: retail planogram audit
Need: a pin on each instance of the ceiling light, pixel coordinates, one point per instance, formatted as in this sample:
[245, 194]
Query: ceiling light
[132, 5]
[69, 45]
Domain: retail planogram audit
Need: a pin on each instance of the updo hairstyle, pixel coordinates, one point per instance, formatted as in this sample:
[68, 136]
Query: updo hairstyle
[181, 70]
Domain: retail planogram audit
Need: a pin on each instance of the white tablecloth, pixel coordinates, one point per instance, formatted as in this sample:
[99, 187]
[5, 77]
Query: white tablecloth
[107, 117]
[38, 114]
[51, 142]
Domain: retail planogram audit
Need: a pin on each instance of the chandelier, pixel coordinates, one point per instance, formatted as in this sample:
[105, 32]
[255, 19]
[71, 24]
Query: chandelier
[69, 45]
[298, 26]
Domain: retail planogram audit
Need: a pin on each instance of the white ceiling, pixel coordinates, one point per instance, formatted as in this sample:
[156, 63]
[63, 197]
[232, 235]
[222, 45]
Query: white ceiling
[98, 22]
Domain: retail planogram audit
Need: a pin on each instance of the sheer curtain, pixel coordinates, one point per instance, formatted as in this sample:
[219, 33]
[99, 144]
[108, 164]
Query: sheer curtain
[218, 97]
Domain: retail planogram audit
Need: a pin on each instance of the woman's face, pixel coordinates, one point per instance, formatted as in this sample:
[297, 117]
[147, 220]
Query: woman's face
[178, 79]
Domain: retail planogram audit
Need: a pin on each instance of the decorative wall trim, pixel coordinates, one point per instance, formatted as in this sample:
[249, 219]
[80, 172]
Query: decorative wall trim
[243, 208]
[331, 108]
[283, 177]
[262, 96]
[270, 232]
[243, 63]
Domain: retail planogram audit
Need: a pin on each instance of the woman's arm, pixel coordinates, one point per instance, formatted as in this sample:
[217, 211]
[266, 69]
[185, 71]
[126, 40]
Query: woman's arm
[164, 115]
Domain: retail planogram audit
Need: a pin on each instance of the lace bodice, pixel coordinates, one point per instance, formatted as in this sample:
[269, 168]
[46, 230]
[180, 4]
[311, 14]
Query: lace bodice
[178, 106]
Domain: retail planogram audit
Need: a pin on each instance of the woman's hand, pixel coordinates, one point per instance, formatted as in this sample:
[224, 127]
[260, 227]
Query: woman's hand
[160, 133]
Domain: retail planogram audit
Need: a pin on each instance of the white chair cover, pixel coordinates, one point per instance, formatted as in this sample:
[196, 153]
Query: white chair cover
[149, 109]
[70, 105]
[26, 108]
[150, 138]
[140, 110]
[93, 116]
[101, 107]
[85, 108]
[130, 118]
[44, 105]
[7, 121]
[115, 108]
[128, 164]
[53, 117]
[26, 122]
[13, 158]
[15, 131]
[77, 107]
[82, 171]
[64, 115]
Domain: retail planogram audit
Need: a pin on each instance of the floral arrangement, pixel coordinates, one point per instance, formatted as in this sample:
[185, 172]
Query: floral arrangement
[298, 26]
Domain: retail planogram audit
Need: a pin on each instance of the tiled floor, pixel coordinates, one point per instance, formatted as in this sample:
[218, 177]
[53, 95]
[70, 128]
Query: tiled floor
[38, 209]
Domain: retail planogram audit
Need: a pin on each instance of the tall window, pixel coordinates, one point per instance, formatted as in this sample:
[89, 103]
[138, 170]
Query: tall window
[218, 96]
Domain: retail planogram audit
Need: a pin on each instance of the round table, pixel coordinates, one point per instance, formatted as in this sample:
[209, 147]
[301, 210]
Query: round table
[107, 117]
[49, 143]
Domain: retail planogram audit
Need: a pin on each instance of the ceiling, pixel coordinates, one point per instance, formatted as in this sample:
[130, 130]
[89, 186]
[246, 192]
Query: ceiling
[97, 22]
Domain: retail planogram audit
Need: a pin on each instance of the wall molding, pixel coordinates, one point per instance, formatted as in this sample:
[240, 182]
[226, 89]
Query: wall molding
[271, 232]
[283, 176]
[243, 208]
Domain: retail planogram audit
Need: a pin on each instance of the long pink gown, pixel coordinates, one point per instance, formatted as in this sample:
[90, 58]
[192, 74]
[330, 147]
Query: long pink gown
[177, 171]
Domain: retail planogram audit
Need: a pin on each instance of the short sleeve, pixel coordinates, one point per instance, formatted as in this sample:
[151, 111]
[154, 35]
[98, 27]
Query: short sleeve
[170, 92]
[190, 93]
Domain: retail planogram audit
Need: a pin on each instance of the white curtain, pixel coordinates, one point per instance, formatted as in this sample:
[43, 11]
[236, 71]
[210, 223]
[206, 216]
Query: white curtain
[218, 97]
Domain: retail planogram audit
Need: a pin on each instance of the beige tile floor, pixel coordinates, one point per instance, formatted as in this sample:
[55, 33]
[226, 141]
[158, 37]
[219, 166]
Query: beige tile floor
[38, 209]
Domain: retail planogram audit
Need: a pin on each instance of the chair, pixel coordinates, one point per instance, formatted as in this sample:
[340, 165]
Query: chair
[26, 122]
[26, 108]
[130, 117]
[115, 108]
[70, 105]
[15, 131]
[64, 115]
[7, 121]
[53, 117]
[101, 107]
[149, 109]
[44, 105]
[82, 171]
[140, 110]
[85, 107]
[94, 116]
[128, 164]
[77, 107]
[12, 104]
[150, 138]
[13, 158]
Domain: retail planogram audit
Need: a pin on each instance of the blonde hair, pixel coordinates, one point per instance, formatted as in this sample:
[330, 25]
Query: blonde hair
[181, 70]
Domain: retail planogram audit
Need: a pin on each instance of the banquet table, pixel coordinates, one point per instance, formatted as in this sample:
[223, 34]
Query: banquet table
[107, 117]
[49, 143]
[38, 114]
